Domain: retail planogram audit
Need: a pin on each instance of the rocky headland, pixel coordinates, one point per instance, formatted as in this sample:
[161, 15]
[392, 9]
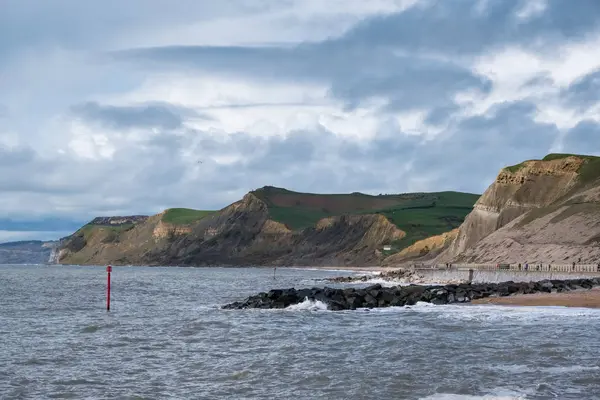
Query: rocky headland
[375, 296]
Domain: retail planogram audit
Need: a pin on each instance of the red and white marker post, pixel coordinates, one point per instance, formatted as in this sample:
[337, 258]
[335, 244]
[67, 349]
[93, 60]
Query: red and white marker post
[108, 271]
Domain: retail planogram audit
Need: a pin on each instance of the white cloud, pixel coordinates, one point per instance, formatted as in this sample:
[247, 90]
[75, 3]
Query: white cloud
[261, 108]
[297, 21]
[512, 71]
[531, 9]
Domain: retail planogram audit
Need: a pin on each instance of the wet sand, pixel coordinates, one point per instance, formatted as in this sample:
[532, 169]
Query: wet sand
[583, 298]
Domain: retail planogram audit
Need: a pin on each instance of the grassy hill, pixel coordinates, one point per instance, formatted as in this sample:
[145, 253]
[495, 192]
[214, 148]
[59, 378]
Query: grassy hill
[420, 215]
[184, 216]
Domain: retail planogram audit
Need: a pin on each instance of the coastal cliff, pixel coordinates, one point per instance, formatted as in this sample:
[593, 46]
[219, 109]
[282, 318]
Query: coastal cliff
[544, 211]
[271, 226]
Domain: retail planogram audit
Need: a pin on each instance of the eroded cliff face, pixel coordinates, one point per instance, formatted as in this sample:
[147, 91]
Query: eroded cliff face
[518, 218]
[423, 249]
[98, 244]
[240, 234]
[164, 230]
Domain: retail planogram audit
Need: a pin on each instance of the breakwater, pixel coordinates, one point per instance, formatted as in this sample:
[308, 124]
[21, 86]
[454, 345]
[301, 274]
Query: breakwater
[377, 296]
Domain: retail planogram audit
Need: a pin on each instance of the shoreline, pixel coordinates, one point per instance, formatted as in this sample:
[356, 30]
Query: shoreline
[579, 298]
[340, 269]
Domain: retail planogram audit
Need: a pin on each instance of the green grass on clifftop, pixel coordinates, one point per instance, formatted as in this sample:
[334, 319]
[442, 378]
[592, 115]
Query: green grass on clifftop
[588, 172]
[184, 216]
[420, 215]
[560, 156]
[515, 168]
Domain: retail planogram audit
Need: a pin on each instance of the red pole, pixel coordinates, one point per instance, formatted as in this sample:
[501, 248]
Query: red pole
[108, 270]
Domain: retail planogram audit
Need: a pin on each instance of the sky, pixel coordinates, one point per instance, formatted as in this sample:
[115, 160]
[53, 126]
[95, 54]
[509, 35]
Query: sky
[118, 108]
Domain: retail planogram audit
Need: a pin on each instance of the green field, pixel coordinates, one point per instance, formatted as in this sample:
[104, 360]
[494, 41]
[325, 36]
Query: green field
[420, 215]
[88, 228]
[184, 216]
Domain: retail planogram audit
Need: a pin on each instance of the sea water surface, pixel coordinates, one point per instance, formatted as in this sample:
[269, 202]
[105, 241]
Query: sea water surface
[166, 338]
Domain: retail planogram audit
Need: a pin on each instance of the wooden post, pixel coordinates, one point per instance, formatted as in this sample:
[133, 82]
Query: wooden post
[471, 275]
[108, 271]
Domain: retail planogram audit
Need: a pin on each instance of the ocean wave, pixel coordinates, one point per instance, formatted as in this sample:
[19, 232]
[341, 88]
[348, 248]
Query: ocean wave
[559, 370]
[492, 313]
[308, 305]
[498, 394]
[449, 396]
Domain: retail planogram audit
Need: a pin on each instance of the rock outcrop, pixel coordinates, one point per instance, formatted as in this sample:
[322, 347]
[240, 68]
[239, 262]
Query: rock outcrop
[377, 296]
[538, 211]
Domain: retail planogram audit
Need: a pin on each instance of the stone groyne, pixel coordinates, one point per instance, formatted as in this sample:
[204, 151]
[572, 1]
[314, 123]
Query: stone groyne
[397, 296]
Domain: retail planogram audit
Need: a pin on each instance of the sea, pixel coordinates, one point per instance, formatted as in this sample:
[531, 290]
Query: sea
[166, 337]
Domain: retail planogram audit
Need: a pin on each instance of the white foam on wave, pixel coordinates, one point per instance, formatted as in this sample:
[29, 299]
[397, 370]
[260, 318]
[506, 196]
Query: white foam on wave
[569, 369]
[381, 281]
[489, 313]
[351, 271]
[521, 368]
[497, 394]
[308, 305]
[449, 396]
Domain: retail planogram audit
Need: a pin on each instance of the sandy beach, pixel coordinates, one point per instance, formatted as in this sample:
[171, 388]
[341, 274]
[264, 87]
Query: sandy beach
[584, 298]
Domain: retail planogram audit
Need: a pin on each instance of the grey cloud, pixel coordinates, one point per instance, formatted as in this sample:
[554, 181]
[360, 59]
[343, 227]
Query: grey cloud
[473, 151]
[584, 92]
[440, 115]
[584, 138]
[15, 157]
[401, 57]
[150, 115]
[354, 74]
[73, 24]
[452, 27]
[147, 176]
